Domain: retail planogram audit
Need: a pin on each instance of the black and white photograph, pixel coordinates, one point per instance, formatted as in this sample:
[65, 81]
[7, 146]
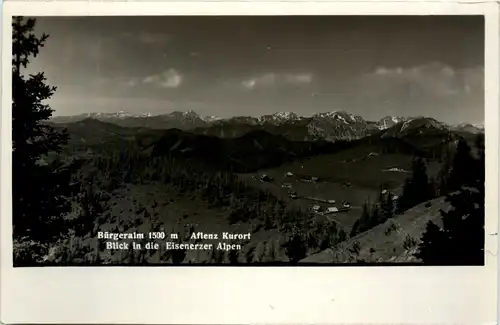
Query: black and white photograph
[248, 140]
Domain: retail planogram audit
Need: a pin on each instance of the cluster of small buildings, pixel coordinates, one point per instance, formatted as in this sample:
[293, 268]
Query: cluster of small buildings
[312, 179]
[344, 206]
[395, 169]
[316, 208]
[270, 179]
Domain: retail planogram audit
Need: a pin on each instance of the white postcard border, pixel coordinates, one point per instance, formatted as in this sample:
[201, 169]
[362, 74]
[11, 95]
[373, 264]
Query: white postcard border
[222, 295]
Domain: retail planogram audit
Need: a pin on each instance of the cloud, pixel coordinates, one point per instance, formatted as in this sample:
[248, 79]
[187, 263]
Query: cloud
[268, 80]
[381, 71]
[131, 83]
[446, 92]
[473, 79]
[168, 79]
[298, 78]
[435, 79]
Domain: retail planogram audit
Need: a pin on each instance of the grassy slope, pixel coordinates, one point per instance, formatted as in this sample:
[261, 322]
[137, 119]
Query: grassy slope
[355, 166]
[365, 173]
[386, 247]
[323, 190]
[176, 212]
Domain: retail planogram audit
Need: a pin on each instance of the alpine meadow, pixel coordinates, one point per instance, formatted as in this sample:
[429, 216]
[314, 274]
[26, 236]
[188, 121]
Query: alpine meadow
[227, 141]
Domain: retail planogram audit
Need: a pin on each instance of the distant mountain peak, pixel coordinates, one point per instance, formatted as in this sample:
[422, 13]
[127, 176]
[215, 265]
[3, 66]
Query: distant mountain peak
[190, 113]
[278, 117]
[193, 115]
[286, 115]
[340, 115]
[389, 121]
[476, 125]
[421, 123]
[116, 115]
[468, 127]
[182, 113]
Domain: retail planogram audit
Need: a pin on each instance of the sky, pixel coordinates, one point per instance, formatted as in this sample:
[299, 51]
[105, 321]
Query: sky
[254, 65]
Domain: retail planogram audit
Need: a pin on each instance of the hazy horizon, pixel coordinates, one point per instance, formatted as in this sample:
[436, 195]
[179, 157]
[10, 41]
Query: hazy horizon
[256, 65]
[90, 114]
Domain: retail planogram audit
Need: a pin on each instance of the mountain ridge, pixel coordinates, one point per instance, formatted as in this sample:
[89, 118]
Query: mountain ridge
[330, 126]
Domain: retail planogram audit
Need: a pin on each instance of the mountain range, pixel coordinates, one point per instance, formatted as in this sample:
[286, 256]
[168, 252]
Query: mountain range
[328, 126]
[261, 147]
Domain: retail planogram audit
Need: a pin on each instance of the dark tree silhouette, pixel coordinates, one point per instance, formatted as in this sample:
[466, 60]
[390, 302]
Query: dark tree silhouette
[295, 248]
[40, 184]
[404, 201]
[386, 206]
[342, 236]
[463, 171]
[445, 171]
[420, 181]
[233, 257]
[363, 223]
[460, 241]
[417, 189]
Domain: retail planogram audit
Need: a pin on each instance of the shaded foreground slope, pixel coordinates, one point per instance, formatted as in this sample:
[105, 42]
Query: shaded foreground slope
[394, 241]
[160, 207]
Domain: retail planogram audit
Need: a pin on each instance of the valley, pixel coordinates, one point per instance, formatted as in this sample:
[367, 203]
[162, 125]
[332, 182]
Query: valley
[280, 181]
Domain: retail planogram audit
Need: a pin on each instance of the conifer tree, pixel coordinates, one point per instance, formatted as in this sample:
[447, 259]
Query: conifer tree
[375, 217]
[364, 221]
[461, 239]
[404, 201]
[463, 167]
[342, 236]
[386, 206]
[40, 186]
[420, 181]
[444, 173]
[295, 247]
[416, 189]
